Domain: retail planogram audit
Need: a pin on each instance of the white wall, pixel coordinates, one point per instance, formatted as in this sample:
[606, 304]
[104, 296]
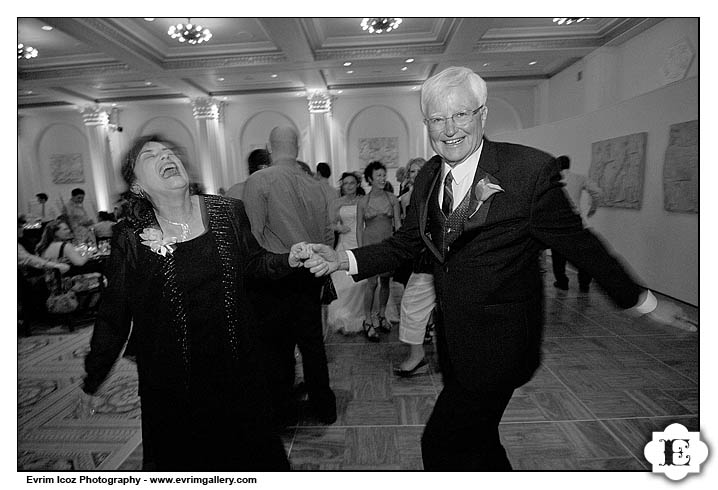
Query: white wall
[661, 247]
[53, 133]
[643, 57]
[614, 73]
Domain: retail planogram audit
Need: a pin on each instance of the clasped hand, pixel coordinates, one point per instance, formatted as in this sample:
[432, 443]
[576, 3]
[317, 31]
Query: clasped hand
[320, 259]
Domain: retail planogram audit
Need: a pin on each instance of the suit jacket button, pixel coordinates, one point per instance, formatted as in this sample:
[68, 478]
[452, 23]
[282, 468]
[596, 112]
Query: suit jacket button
[446, 269]
[448, 230]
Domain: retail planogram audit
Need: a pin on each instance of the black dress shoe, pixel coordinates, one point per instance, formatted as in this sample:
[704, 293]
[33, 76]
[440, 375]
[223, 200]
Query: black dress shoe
[584, 289]
[324, 408]
[408, 373]
[561, 285]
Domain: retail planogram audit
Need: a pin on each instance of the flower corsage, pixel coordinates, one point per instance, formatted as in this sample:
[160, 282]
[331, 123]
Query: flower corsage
[483, 190]
[154, 239]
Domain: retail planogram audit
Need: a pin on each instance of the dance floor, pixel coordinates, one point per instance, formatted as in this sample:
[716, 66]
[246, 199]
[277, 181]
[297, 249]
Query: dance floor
[606, 383]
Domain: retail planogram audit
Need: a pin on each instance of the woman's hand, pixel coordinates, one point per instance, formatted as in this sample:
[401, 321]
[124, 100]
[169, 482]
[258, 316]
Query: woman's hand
[63, 268]
[343, 229]
[299, 253]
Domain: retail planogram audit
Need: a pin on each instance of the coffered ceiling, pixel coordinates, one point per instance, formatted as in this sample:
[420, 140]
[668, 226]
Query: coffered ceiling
[83, 61]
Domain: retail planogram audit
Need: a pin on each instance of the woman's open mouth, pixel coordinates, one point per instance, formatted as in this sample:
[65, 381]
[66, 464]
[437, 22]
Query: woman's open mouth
[169, 170]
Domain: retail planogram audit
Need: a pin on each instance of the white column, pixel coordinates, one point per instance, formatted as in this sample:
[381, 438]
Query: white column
[25, 172]
[320, 120]
[96, 119]
[211, 155]
[116, 138]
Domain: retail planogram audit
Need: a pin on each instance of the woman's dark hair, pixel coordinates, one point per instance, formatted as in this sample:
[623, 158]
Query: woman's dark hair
[105, 216]
[258, 158]
[369, 170]
[356, 176]
[140, 204]
[77, 192]
[324, 170]
[48, 235]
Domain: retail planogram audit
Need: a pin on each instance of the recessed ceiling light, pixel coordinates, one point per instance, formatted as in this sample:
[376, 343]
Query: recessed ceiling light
[114, 104]
[149, 19]
[350, 72]
[220, 79]
[404, 68]
[148, 83]
[225, 98]
[487, 64]
[340, 91]
[46, 28]
[347, 63]
[274, 75]
[533, 63]
[415, 87]
[409, 60]
[29, 92]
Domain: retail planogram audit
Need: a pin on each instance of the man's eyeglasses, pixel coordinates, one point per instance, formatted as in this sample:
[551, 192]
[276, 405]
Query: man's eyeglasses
[460, 119]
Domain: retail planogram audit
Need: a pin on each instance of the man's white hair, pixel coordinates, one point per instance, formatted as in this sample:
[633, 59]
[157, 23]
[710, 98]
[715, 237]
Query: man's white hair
[453, 76]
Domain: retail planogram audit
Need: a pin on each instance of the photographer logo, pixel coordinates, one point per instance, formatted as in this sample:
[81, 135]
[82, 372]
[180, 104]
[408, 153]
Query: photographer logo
[676, 452]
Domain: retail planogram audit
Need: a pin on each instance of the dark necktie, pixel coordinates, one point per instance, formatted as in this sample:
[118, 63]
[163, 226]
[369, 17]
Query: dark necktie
[448, 202]
[43, 210]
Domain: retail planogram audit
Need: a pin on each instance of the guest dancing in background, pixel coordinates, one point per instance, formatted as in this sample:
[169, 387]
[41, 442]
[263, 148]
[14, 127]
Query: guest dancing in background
[418, 300]
[78, 219]
[378, 216]
[178, 273]
[346, 313]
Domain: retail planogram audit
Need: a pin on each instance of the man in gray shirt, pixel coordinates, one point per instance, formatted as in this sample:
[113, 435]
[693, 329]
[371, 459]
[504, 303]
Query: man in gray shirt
[286, 206]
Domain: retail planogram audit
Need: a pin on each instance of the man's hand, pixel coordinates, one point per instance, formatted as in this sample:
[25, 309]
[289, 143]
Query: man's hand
[670, 314]
[299, 253]
[323, 261]
[86, 405]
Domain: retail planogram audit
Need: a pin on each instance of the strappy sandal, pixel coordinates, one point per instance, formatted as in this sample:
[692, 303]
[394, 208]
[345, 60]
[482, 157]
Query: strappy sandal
[428, 335]
[384, 324]
[370, 331]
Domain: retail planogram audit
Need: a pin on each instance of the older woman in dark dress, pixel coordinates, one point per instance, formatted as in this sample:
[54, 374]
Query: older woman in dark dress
[178, 272]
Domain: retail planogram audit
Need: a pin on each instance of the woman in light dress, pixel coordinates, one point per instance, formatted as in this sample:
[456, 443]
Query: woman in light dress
[378, 216]
[346, 313]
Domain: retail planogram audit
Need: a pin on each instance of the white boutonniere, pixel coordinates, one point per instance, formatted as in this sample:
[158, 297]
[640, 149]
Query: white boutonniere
[483, 190]
[154, 239]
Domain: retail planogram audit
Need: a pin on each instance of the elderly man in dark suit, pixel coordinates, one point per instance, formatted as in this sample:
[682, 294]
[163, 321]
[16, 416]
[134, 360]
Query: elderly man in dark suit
[486, 210]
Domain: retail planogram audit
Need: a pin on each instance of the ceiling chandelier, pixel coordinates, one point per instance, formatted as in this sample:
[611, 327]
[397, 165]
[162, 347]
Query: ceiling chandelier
[190, 33]
[26, 52]
[569, 20]
[380, 24]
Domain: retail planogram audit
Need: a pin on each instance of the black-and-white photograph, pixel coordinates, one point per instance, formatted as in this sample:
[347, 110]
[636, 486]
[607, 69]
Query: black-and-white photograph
[252, 245]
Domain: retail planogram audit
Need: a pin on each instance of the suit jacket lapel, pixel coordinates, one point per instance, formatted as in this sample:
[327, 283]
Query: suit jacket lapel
[424, 210]
[487, 168]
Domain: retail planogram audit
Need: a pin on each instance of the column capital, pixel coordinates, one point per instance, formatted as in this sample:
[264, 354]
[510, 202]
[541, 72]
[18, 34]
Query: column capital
[94, 115]
[206, 108]
[319, 101]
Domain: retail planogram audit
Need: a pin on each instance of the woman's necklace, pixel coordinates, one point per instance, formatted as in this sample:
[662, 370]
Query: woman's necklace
[183, 226]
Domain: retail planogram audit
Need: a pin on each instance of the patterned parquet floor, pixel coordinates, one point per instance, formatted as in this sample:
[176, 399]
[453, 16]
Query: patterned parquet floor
[607, 382]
